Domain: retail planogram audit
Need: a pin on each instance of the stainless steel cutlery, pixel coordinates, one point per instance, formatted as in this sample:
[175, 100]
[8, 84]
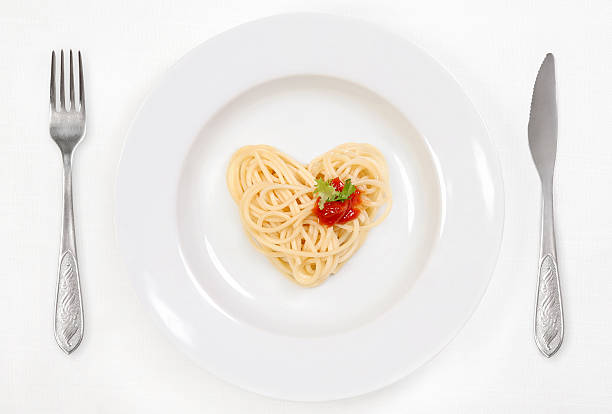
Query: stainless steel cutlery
[542, 133]
[67, 128]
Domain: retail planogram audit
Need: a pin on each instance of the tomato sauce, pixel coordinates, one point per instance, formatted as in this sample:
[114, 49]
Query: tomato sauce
[338, 212]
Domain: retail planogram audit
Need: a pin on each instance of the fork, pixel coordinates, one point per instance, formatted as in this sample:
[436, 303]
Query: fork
[67, 128]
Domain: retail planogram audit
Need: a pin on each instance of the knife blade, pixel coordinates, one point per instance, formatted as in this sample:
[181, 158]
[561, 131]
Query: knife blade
[542, 133]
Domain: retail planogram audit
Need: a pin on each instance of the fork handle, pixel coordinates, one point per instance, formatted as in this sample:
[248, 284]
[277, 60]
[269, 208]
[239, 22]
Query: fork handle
[549, 308]
[68, 303]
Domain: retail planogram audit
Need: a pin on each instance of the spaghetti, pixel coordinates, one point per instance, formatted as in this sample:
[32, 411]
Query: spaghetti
[275, 197]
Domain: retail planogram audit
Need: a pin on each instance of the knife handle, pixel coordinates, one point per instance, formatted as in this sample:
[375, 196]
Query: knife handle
[549, 307]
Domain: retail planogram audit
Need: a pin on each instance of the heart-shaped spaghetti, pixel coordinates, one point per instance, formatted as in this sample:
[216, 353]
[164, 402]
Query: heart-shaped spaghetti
[276, 201]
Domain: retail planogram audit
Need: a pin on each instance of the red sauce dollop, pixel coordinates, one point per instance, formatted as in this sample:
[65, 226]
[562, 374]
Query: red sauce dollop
[338, 212]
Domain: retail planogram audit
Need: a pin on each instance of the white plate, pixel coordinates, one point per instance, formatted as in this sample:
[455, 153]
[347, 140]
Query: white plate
[305, 83]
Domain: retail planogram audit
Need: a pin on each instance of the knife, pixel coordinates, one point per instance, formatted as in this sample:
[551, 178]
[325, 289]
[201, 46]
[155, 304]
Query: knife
[542, 132]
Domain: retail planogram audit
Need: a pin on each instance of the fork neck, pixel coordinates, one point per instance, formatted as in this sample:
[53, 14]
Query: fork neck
[68, 239]
[67, 159]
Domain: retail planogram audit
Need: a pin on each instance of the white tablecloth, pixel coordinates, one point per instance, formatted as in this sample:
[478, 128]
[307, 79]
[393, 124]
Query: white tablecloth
[126, 365]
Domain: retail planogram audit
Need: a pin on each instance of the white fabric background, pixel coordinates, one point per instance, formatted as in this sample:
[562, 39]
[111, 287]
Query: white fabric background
[126, 365]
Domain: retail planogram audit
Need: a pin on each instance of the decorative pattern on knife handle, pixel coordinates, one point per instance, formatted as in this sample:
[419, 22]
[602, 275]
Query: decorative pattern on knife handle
[549, 313]
[68, 308]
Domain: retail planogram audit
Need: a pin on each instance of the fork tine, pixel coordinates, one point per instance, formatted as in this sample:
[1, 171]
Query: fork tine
[81, 85]
[52, 100]
[61, 85]
[72, 104]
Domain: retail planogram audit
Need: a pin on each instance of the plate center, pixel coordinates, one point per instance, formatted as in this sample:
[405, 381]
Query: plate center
[305, 116]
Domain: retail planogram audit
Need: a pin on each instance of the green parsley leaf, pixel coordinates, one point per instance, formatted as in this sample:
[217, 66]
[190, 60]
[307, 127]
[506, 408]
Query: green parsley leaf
[327, 192]
[348, 189]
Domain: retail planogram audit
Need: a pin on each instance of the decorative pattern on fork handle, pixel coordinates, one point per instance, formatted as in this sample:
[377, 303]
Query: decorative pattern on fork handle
[69, 312]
